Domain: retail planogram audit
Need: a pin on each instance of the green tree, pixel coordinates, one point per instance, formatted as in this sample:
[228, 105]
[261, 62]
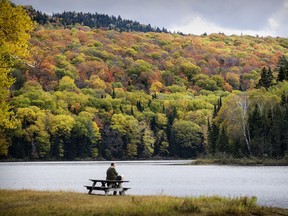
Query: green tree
[32, 94]
[282, 75]
[213, 134]
[147, 141]
[84, 140]
[266, 78]
[31, 135]
[222, 143]
[67, 84]
[129, 131]
[234, 115]
[23, 144]
[187, 138]
[60, 130]
[213, 129]
[189, 69]
[282, 68]
[256, 130]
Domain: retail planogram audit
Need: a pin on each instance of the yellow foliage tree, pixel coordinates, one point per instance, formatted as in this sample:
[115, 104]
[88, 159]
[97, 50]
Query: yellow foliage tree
[15, 29]
[156, 87]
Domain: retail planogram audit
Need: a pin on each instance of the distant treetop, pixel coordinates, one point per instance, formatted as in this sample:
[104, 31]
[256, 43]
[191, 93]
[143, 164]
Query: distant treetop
[69, 19]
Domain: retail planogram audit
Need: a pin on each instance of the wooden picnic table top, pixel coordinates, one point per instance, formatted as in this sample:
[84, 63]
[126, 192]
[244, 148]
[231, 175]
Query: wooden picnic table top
[107, 181]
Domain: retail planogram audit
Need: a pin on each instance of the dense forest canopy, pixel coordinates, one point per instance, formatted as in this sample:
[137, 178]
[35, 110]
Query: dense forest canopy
[100, 93]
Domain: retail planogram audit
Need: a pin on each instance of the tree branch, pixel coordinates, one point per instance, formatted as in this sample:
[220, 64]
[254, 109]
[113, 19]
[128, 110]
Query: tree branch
[24, 62]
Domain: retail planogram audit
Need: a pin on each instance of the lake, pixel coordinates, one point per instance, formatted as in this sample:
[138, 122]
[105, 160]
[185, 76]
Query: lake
[269, 184]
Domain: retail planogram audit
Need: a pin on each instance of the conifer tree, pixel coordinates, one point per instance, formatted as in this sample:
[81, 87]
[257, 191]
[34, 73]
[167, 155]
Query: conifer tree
[113, 94]
[222, 143]
[275, 132]
[281, 75]
[213, 129]
[282, 68]
[270, 78]
[284, 133]
[212, 138]
[266, 78]
[284, 99]
[256, 131]
[283, 63]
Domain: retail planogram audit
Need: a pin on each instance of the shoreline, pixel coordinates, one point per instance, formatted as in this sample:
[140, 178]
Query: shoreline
[241, 161]
[198, 161]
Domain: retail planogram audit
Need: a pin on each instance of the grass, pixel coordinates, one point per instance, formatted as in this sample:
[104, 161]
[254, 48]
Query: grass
[252, 161]
[27, 202]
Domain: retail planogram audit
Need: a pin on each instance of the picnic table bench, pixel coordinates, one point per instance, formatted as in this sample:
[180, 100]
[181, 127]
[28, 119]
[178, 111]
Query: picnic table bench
[107, 186]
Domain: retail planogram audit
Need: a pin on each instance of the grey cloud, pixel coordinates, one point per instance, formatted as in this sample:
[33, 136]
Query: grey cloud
[244, 14]
[235, 14]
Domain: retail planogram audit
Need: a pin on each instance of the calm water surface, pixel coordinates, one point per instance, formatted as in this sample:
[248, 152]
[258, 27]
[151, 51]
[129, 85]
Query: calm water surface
[269, 184]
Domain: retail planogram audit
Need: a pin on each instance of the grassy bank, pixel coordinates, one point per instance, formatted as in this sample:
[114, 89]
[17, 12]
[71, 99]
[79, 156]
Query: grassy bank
[26, 202]
[241, 161]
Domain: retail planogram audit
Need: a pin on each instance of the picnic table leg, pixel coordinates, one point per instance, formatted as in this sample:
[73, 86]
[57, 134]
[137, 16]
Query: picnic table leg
[90, 191]
[106, 192]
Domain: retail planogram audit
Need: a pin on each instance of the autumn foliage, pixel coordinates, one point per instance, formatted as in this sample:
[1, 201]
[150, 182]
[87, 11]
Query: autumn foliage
[107, 94]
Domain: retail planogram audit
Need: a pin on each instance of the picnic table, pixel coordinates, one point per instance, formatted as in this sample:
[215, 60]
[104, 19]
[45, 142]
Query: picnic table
[107, 186]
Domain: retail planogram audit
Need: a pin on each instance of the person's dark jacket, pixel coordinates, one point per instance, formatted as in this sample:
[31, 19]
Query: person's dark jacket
[111, 173]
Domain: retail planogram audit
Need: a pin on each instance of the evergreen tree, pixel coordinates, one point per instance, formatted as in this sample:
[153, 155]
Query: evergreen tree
[153, 124]
[139, 106]
[282, 75]
[215, 111]
[266, 78]
[275, 132]
[256, 132]
[284, 99]
[213, 136]
[113, 94]
[222, 143]
[270, 78]
[219, 104]
[171, 116]
[213, 130]
[284, 133]
[284, 124]
[132, 110]
[282, 68]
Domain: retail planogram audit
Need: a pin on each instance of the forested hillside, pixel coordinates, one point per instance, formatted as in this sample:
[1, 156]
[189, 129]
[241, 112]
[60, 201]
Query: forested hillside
[95, 93]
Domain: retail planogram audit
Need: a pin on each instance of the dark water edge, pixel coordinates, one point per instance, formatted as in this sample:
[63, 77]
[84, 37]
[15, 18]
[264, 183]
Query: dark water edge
[252, 161]
[241, 161]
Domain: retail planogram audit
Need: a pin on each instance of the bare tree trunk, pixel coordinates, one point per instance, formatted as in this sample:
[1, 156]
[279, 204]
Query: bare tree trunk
[243, 105]
[34, 153]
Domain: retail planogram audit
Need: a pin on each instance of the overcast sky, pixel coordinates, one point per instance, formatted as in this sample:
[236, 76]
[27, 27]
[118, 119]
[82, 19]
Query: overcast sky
[262, 17]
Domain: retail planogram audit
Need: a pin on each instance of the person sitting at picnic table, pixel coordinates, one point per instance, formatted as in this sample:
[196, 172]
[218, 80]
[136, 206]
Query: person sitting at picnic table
[112, 174]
